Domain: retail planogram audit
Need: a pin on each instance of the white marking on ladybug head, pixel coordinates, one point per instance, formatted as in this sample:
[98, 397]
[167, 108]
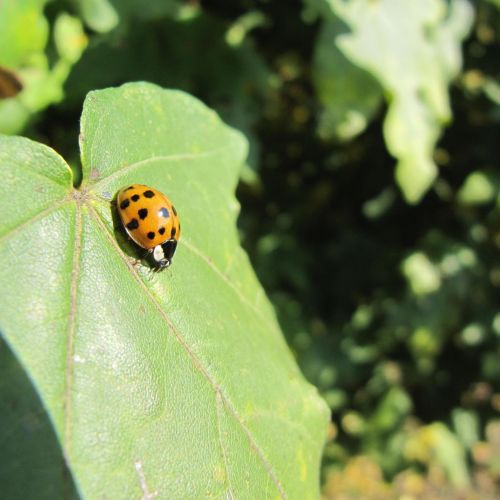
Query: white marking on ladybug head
[158, 253]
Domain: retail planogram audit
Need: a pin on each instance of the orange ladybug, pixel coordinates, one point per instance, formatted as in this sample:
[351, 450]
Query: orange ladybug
[151, 221]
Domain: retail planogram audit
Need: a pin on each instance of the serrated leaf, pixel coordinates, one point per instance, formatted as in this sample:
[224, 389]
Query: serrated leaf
[413, 50]
[178, 383]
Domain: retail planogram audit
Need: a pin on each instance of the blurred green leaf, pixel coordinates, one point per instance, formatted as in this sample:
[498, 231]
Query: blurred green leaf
[413, 50]
[424, 344]
[175, 384]
[69, 38]
[23, 31]
[100, 15]
[494, 2]
[422, 275]
[436, 444]
[243, 25]
[393, 407]
[104, 15]
[353, 423]
[349, 94]
[23, 36]
[479, 187]
[466, 424]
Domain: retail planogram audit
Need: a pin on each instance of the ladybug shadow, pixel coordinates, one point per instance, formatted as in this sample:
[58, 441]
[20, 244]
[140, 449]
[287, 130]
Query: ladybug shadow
[123, 239]
[31, 449]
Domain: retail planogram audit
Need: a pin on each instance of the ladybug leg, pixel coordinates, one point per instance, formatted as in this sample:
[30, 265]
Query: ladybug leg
[135, 262]
[151, 271]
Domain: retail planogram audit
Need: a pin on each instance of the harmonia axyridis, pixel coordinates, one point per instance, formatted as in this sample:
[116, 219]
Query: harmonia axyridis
[151, 221]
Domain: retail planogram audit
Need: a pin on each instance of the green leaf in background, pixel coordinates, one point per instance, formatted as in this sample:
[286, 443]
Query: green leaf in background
[350, 95]
[24, 34]
[479, 187]
[466, 426]
[98, 15]
[413, 50]
[177, 384]
[436, 444]
[104, 15]
[422, 275]
[495, 2]
[23, 31]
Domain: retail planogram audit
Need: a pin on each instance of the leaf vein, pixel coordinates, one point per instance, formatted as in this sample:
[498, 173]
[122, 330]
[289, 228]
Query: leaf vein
[34, 218]
[70, 333]
[172, 157]
[37, 173]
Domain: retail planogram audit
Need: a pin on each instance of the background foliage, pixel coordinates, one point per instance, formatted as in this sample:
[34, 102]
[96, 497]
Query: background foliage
[370, 204]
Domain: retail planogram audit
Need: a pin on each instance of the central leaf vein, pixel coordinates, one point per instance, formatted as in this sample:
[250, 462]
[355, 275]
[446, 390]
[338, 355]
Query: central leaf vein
[71, 327]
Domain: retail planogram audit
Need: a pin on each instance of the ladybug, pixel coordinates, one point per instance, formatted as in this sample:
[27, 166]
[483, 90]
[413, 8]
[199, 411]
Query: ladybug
[151, 221]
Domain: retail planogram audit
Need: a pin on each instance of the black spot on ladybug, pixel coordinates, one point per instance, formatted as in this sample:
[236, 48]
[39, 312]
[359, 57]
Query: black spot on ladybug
[135, 197]
[130, 187]
[174, 210]
[172, 233]
[143, 213]
[133, 224]
[161, 230]
[163, 212]
[148, 194]
[151, 235]
[125, 203]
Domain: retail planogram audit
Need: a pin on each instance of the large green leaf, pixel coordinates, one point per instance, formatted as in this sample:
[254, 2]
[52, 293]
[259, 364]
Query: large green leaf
[180, 382]
[412, 48]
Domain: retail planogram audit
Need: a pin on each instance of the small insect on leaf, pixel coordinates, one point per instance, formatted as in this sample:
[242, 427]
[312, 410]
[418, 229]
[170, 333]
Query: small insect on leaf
[151, 221]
